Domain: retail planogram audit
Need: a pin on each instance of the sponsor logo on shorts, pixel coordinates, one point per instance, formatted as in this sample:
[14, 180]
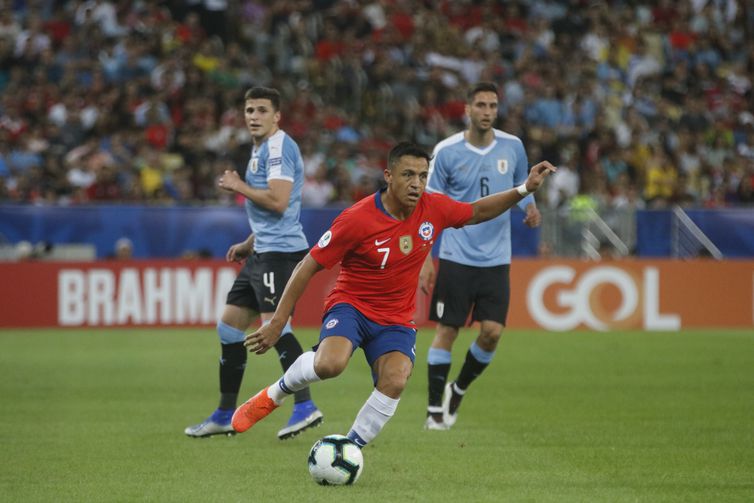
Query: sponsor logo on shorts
[330, 324]
[325, 239]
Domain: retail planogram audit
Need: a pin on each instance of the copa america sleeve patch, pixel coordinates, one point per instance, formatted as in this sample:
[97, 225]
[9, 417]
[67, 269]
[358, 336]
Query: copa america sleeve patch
[325, 239]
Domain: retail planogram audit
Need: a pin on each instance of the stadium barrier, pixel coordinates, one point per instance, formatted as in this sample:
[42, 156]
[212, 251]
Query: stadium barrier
[555, 295]
[159, 232]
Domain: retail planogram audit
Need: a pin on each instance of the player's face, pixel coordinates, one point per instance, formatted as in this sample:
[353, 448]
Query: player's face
[482, 111]
[407, 179]
[261, 119]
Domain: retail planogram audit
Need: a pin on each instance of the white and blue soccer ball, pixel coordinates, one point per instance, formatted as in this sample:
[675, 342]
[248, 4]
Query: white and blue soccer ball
[335, 460]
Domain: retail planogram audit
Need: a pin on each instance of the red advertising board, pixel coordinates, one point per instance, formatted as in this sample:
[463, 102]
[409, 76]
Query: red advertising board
[550, 294]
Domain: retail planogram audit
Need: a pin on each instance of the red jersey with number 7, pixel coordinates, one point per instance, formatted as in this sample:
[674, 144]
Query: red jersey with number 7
[381, 257]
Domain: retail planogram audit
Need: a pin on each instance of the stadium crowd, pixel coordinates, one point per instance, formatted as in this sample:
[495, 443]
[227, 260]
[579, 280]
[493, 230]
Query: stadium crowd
[640, 104]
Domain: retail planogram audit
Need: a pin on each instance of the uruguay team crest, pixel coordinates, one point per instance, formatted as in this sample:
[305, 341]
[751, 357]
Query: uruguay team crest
[406, 244]
[502, 166]
[440, 309]
[254, 165]
[426, 230]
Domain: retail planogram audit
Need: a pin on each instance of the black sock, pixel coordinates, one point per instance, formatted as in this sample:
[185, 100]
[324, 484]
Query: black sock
[232, 365]
[437, 375]
[470, 371]
[289, 350]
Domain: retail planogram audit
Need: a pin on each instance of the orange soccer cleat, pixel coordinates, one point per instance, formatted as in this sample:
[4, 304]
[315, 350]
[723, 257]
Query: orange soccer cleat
[252, 410]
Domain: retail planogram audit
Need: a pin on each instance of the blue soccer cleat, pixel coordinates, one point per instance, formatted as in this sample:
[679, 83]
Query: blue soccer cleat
[216, 424]
[305, 415]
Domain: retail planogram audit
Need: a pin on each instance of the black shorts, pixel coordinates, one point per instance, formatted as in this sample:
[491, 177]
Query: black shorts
[460, 287]
[260, 283]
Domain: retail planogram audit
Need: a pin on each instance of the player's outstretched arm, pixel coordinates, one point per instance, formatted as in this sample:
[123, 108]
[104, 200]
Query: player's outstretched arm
[491, 206]
[263, 339]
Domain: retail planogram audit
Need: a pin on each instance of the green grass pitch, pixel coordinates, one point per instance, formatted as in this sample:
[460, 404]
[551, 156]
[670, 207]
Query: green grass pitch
[98, 415]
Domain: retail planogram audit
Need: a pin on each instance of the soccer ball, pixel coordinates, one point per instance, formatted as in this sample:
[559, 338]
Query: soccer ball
[335, 460]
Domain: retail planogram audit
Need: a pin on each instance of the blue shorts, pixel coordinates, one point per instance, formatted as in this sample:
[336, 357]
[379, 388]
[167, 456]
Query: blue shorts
[375, 339]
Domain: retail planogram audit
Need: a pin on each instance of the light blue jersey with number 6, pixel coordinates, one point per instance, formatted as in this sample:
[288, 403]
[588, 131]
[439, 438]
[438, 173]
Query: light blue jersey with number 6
[467, 173]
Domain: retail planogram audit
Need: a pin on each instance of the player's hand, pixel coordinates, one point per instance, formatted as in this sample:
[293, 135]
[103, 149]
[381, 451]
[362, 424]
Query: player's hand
[533, 218]
[238, 252]
[263, 339]
[229, 181]
[537, 175]
[427, 276]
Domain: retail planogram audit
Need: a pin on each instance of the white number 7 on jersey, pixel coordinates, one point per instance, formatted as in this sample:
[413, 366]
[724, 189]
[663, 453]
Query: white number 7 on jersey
[386, 251]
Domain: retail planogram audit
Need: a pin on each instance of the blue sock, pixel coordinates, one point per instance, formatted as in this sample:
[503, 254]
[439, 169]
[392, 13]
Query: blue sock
[306, 405]
[480, 354]
[437, 356]
[222, 416]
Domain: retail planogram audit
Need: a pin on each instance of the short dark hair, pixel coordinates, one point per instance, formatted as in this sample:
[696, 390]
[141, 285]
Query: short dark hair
[480, 87]
[264, 93]
[406, 148]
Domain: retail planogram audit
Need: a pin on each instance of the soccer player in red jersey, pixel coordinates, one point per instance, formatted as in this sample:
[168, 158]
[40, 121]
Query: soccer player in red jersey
[381, 243]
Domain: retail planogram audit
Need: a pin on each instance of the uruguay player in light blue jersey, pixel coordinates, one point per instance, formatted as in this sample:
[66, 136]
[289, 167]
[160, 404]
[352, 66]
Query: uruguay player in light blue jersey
[473, 273]
[272, 188]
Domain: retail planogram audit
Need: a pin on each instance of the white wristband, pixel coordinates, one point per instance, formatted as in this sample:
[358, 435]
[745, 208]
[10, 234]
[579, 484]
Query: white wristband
[521, 189]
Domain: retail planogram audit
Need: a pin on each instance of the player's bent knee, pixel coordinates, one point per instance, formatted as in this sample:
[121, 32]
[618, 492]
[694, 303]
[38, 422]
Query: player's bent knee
[328, 368]
[392, 381]
[392, 387]
[489, 340]
[446, 334]
[489, 335]
[229, 334]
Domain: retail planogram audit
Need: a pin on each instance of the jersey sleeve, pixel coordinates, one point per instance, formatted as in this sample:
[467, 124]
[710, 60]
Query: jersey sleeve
[340, 238]
[454, 213]
[521, 172]
[281, 161]
[437, 180]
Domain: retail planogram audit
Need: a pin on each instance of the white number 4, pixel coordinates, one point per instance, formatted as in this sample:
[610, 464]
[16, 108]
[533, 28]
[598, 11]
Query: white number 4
[386, 251]
[268, 279]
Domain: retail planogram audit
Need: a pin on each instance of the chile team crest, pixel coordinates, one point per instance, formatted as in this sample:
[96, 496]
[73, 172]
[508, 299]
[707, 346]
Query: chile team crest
[426, 230]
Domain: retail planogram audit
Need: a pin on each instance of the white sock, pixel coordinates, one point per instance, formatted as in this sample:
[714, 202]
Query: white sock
[372, 417]
[298, 376]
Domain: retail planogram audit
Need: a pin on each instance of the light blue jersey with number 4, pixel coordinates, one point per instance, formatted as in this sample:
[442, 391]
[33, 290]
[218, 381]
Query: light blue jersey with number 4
[277, 158]
[467, 173]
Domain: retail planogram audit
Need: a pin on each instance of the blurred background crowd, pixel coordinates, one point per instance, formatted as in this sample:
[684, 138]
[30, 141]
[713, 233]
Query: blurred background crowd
[640, 104]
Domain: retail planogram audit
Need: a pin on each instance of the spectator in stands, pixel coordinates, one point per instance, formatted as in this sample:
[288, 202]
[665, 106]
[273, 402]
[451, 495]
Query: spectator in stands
[168, 73]
[24, 251]
[661, 179]
[124, 249]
